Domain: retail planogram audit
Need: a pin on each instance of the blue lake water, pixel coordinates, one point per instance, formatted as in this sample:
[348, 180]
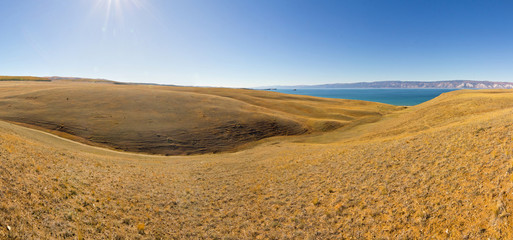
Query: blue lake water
[402, 97]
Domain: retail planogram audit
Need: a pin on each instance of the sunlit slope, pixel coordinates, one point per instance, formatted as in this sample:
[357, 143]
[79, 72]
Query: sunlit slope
[175, 120]
[450, 180]
[452, 108]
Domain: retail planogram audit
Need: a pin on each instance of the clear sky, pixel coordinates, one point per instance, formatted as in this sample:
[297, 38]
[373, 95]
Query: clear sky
[243, 43]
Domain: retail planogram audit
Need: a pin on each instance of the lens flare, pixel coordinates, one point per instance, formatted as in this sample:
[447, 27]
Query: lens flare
[117, 11]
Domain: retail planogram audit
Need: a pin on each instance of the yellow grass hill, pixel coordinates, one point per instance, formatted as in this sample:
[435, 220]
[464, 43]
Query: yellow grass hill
[86, 160]
[174, 120]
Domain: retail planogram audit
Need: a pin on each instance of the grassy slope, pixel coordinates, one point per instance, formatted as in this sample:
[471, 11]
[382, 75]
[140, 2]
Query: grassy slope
[442, 169]
[51, 79]
[175, 120]
[24, 78]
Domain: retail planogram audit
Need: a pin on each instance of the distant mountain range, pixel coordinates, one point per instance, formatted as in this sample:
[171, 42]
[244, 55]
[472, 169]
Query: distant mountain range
[408, 84]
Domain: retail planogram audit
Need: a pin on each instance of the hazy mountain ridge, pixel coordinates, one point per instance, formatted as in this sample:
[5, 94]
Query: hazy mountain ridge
[411, 84]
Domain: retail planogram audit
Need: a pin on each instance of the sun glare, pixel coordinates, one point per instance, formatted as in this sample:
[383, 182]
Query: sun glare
[117, 11]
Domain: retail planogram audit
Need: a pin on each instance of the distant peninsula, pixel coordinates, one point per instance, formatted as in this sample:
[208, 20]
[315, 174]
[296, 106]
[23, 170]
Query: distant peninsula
[450, 84]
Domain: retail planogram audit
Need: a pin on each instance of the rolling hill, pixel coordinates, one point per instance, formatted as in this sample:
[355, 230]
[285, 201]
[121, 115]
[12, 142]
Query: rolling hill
[441, 169]
[175, 120]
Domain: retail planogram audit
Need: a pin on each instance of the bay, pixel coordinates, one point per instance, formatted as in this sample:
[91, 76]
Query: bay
[400, 97]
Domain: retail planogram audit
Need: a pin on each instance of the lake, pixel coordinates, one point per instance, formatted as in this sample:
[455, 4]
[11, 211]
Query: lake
[402, 97]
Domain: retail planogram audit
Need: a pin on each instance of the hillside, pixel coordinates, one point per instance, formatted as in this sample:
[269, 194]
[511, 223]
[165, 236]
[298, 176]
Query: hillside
[23, 78]
[449, 84]
[51, 79]
[175, 120]
[442, 169]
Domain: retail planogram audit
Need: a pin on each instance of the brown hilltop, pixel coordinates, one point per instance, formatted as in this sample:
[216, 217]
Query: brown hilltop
[174, 120]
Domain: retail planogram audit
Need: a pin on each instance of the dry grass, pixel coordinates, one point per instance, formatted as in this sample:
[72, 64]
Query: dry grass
[24, 78]
[396, 178]
[175, 120]
[51, 79]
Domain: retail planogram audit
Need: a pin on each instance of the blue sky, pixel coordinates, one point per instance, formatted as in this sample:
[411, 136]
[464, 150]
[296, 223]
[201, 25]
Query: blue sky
[242, 43]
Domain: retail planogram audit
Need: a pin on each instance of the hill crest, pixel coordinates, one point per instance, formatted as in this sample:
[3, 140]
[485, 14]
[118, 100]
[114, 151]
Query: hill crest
[447, 84]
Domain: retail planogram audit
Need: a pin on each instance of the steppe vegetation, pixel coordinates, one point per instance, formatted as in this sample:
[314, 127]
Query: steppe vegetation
[442, 169]
[51, 79]
[175, 120]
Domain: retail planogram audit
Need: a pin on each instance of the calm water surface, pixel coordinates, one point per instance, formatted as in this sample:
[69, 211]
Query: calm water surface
[402, 97]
